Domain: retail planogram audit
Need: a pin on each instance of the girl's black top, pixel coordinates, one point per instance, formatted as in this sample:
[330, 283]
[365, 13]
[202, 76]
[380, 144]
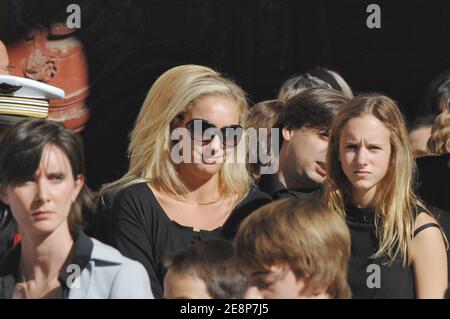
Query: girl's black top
[375, 278]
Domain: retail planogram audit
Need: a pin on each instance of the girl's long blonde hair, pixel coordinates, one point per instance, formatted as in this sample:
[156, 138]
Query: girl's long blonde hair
[171, 96]
[396, 201]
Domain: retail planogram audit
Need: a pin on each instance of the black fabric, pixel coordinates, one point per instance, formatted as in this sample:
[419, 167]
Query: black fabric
[82, 252]
[9, 266]
[7, 229]
[326, 77]
[396, 281]
[142, 231]
[102, 220]
[434, 180]
[272, 186]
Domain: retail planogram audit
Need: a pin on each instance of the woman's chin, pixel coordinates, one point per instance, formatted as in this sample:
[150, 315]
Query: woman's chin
[363, 185]
[208, 169]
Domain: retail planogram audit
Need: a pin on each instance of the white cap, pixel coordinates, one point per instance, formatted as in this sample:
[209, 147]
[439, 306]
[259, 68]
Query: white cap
[28, 88]
[21, 98]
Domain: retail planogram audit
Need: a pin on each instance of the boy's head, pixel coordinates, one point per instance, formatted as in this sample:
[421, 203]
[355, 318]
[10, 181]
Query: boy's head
[263, 115]
[294, 249]
[204, 271]
[305, 123]
[420, 133]
[317, 77]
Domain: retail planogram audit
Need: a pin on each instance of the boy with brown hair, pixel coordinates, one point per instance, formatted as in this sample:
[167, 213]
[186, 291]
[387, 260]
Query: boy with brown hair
[294, 249]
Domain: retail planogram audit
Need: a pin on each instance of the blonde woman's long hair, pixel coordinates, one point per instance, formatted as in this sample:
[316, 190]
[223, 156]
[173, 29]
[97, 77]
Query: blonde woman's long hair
[396, 201]
[172, 95]
[439, 142]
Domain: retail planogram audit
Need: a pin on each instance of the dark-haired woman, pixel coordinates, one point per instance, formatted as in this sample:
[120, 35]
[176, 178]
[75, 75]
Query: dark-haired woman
[42, 183]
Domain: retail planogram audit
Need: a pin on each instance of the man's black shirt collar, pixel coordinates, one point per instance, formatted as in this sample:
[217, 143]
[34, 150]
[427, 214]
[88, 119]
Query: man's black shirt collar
[271, 185]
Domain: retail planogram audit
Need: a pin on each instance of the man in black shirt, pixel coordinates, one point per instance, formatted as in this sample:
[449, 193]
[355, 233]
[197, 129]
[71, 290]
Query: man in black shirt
[434, 187]
[434, 171]
[434, 180]
[304, 125]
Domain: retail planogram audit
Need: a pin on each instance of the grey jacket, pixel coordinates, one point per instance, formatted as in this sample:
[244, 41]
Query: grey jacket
[96, 271]
[110, 275]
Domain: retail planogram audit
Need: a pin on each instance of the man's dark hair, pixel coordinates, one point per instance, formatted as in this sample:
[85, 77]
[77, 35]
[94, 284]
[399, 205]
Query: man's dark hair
[438, 92]
[313, 108]
[421, 122]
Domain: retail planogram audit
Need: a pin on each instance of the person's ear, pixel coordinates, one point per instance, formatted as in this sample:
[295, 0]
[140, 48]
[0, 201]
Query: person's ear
[315, 292]
[320, 292]
[252, 292]
[287, 133]
[3, 197]
[178, 121]
[79, 183]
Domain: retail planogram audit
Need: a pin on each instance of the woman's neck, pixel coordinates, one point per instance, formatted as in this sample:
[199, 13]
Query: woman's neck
[45, 256]
[364, 199]
[201, 190]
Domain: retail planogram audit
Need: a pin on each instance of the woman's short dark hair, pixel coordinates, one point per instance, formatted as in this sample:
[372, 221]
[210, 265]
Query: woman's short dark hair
[437, 95]
[21, 150]
[214, 263]
[421, 122]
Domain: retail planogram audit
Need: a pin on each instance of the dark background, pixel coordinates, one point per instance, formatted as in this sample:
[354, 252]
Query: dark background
[259, 43]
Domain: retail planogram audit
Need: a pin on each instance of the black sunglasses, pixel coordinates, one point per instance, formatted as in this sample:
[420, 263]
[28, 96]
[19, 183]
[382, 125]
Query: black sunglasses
[204, 131]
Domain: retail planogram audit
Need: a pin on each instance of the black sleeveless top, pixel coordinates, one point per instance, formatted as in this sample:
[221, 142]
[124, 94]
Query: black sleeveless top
[375, 278]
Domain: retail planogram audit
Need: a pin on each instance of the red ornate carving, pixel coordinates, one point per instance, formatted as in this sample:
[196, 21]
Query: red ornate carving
[55, 57]
[4, 61]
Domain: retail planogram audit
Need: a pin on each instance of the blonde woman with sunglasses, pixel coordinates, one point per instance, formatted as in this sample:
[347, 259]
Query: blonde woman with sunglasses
[185, 184]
